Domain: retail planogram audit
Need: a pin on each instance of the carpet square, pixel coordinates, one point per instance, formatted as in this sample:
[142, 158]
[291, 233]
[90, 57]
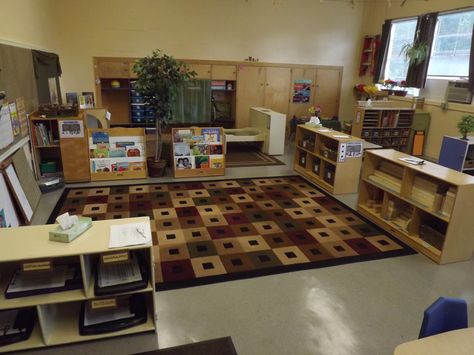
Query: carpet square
[277, 195]
[222, 199]
[289, 225]
[96, 217]
[196, 234]
[297, 213]
[305, 202]
[208, 266]
[267, 227]
[268, 205]
[301, 237]
[140, 205]
[159, 187]
[278, 240]
[346, 232]
[119, 190]
[259, 196]
[243, 229]
[178, 270]
[210, 185]
[234, 263]
[331, 221]
[324, 235]
[287, 203]
[182, 202]
[173, 252]
[350, 219]
[362, 246]
[257, 216]
[78, 193]
[118, 207]
[339, 249]
[161, 203]
[202, 201]
[214, 220]
[226, 246]
[228, 183]
[200, 249]
[263, 182]
[167, 224]
[97, 199]
[290, 255]
[235, 191]
[310, 223]
[315, 252]
[253, 243]
[100, 191]
[141, 213]
[139, 197]
[191, 222]
[201, 193]
[170, 237]
[249, 207]
[236, 218]
[164, 213]
[220, 232]
[229, 208]
[208, 210]
[383, 243]
[177, 195]
[139, 189]
[366, 230]
[264, 259]
[119, 198]
[186, 211]
[117, 215]
[252, 189]
[241, 198]
[95, 208]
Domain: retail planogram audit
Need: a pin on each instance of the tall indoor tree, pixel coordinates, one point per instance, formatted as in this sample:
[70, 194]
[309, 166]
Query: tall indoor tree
[158, 79]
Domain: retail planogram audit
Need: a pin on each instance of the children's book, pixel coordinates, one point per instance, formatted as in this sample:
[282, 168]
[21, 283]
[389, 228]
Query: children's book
[202, 162]
[181, 149]
[217, 161]
[211, 134]
[200, 149]
[215, 149]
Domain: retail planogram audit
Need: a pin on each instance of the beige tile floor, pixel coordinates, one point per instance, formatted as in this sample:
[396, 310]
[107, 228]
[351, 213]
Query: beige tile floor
[363, 308]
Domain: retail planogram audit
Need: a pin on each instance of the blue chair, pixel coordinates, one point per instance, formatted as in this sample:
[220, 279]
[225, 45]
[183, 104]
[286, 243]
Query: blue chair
[444, 315]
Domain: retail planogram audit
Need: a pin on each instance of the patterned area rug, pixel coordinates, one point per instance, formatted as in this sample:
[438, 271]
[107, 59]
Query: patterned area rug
[206, 232]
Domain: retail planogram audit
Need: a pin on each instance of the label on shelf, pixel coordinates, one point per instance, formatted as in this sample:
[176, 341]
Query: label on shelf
[104, 303]
[43, 265]
[115, 257]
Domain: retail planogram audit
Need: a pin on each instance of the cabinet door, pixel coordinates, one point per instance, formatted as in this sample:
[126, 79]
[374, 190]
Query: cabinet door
[328, 91]
[203, 70]
[250, 92]
[113, 69]
[223, 72]
[277, 89]
[300, 109]
[75, 157]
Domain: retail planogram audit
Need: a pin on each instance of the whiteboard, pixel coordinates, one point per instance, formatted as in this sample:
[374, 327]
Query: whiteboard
[19, 193]
[7, 210]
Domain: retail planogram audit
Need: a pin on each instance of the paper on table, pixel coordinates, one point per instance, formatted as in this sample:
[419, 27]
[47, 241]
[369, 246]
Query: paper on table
[27, 281]
[324, 130]
[122, 235]
[341, 136]
[106, 315]
[119, 273]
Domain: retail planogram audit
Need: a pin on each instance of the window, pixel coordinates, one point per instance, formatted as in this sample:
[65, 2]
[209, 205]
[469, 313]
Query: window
[401, 32]
[452, 45]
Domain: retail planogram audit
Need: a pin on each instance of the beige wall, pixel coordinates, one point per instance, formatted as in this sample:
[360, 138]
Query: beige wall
[443, 122]
[28, 23]
[286, 31]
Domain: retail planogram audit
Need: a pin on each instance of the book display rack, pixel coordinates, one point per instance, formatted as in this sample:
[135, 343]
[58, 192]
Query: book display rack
[56, 299]
[198, 151]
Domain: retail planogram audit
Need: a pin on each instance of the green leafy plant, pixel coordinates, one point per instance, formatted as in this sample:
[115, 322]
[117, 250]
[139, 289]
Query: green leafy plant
[466, 125]
[158, 79]
[415, 53]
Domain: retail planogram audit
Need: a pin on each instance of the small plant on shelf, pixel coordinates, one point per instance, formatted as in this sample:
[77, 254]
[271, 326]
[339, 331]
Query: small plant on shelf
[466, 125]
[158, 80]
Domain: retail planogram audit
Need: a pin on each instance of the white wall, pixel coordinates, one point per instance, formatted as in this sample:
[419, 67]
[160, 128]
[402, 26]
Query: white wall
[285, 31]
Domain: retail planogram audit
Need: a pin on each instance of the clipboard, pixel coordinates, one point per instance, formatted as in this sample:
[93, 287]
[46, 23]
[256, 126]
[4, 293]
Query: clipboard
[73, 281]
[138, 315]
[20, 329]
[126, 268]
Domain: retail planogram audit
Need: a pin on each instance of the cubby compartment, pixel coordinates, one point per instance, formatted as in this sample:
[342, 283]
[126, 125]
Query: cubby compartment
[387, 174]
[307, 140]
[328, 148]
[316, 166]
[329, 172]
[20, 329]
[430, 229]
[301, 157]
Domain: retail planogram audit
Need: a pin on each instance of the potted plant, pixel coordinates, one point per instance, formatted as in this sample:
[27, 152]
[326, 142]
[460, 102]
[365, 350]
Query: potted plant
[466, 125]
[158, 80]
[415, 53]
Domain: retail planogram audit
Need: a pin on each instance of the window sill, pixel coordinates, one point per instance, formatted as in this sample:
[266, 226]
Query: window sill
[451, 106]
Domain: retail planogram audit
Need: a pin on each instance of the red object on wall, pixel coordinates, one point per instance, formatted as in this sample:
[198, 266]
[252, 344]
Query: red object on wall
[370, 48]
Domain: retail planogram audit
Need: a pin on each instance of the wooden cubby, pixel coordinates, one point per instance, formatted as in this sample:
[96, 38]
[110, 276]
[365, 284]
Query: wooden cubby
[325, 157]
[427, 206]
[385, 123]
[58, 313]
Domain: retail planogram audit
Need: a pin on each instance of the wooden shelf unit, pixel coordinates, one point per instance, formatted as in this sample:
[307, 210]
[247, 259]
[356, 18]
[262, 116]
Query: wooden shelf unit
[58, 313]
[427, 206]
[70, 154]
[324, 158]
[387, 124]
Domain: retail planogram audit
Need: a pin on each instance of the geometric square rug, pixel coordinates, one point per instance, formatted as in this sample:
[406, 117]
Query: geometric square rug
[205, 232]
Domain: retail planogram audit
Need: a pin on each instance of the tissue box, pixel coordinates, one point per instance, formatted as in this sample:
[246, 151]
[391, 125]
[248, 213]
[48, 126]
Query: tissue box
[68, 235]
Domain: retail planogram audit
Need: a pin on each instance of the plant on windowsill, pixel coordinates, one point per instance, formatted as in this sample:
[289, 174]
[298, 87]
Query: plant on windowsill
[466, 126]
[158, 80]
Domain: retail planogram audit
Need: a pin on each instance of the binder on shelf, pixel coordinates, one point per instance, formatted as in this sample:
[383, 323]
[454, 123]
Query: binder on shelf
[130, 311]
[30, 283]
[16, 325]
[121, 276]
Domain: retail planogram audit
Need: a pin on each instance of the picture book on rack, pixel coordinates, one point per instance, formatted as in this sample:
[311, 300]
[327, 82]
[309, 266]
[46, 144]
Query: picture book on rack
[181, 149]
[200, 149]
[186, 162]
[202, 162]
[211, 135]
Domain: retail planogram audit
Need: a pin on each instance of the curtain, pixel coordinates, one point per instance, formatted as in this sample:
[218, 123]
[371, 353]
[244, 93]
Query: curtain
[193, 102]
[46, 66]
[425, 30]
[386, 27]
[471, 64]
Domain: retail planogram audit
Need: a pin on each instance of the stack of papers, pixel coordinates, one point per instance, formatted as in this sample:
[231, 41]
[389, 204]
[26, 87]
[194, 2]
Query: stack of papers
[122, 235]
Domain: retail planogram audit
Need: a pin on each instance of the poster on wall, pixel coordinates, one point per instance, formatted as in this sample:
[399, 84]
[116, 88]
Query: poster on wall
[301, 91]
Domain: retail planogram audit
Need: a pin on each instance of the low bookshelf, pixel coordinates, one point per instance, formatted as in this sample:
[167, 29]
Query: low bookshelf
[427, 206]
[330, 159]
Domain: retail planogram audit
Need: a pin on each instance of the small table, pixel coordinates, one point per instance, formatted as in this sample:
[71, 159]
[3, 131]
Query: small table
[459, 342]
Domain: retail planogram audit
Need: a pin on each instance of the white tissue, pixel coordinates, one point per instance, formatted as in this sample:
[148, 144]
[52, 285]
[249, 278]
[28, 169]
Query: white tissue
[66, 221]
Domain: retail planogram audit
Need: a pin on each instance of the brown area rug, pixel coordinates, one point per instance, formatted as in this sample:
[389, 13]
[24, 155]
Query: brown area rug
[242, 154]
[205, 232]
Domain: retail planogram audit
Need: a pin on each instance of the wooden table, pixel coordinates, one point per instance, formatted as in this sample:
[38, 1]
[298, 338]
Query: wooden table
[459, 342]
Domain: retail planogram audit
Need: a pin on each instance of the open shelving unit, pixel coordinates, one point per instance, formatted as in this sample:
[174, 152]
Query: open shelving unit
[58, 313]
[329, 158]
[427, 206]
[384, 123]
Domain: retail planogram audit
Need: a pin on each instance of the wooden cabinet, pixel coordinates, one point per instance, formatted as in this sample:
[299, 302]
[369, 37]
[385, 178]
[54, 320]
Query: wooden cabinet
[330, 159]
[113, 68]
[223, 72]
[58, 313]
[250, 92]
[385, 124]
[457, 154]
[328, 90]
[203, 71]
[267, 87]
[427, 206]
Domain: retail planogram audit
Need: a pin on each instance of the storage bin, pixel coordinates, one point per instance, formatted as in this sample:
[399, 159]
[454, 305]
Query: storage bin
[138, 119]
[135, 93]
[48, 167]
[137, 100]
[302, 161]
[366, 133]
[329, 174]
[316, 166]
